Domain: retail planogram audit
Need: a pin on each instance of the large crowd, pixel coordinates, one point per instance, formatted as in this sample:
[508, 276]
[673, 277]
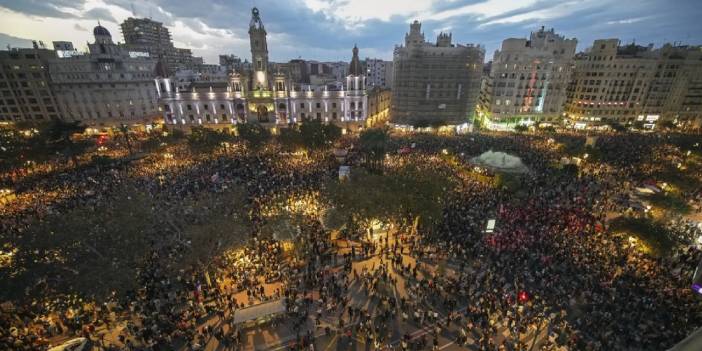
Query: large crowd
[551, 259]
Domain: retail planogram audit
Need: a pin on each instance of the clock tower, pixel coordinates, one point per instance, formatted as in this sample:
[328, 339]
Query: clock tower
[259, 52]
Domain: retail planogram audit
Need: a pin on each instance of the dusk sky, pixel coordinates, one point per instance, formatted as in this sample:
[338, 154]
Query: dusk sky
[327, 29]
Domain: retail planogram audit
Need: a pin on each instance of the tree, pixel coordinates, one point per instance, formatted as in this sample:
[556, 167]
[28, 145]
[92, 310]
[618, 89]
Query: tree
[422, 123]
[312, 133]
[332, 133]
[316, 135]
[373, 144]
[290, 138]
[254, 134]
[616, 126]
[13, 149]
[668, 124]
[406, 192]
[59, 137]
[204, 140]
[437, 123]
[520, 128]
[124, 130]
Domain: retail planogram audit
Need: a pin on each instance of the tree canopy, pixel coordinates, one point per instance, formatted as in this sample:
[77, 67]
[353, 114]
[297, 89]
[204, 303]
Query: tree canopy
[254, 134]
[203, 139]
[373, 143]
[407, 191]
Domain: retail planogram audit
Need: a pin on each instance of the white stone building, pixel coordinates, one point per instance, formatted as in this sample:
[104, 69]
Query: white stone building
[264, 96]
[633, 83]
[107, 86]
[379, 73]
[528, 78]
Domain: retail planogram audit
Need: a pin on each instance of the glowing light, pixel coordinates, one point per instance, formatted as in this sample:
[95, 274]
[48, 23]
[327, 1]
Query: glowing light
[523, 296]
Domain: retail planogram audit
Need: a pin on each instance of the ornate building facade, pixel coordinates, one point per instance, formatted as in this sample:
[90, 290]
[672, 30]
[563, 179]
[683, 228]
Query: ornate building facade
[263, 94]
[107, 86]
[435, 83]
[633, 83]
[528, 78]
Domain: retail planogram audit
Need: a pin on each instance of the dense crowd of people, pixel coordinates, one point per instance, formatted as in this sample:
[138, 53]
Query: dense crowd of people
[551, 265]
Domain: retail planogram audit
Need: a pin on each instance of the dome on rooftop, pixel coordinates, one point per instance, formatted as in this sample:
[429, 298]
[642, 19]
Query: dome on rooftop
[101, 31]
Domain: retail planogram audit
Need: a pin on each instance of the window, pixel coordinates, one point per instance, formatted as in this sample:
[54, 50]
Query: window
[333, 104]
[333, 115]
[319, 115]
[190, 107]
[319, 105]
[302, 105]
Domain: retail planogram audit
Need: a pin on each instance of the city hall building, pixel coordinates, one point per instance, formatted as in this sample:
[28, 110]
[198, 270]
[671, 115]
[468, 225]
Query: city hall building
[264, 94]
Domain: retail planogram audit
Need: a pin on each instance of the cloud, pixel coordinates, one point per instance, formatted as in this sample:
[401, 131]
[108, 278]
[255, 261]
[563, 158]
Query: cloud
[355, 13]
[44, 8]
[481, 9]
[628, 20]
[99, 14]
[14, 42]
[328, 29]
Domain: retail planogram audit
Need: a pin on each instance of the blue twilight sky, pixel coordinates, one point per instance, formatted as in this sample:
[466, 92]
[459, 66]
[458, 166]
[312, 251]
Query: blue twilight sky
[328, 29]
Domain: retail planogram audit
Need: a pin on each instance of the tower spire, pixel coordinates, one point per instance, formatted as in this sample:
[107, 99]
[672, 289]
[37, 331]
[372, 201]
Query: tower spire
[259, 50]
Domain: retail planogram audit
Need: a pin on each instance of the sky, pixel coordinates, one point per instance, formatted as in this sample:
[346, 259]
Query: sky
[326, 30]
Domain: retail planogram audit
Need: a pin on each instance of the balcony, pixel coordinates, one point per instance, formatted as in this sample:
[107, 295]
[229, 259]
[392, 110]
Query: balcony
[262, 94]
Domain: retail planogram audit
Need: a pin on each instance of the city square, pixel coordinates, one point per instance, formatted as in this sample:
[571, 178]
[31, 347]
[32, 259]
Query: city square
[547, 196]
[266, 233]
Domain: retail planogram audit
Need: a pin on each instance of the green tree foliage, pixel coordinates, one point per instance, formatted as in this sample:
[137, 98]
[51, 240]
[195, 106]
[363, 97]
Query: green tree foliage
[652, 232]
[204, 140]
[508, 181]
[437, 123]
[290, 138]
[157, 139]
[408, 191]
[373, 144]
[123, 129]
[616, 126]
[520, 128]
[59, 138]
[667, 124]
[422, 123]
[316, 135]
[15, 149]
[90, 250]
[254, 134]
[548, 129]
